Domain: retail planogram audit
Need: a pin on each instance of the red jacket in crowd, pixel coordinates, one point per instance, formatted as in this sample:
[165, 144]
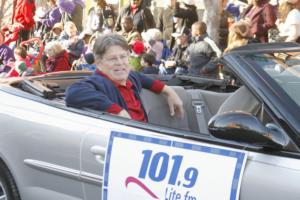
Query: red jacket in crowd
[23, 13]
[58, 63]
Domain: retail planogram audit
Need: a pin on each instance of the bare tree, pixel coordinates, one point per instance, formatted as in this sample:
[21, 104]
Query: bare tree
[5, 11]
[212, 16]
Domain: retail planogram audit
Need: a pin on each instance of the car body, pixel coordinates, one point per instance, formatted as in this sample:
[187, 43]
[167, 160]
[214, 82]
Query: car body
[51, 151]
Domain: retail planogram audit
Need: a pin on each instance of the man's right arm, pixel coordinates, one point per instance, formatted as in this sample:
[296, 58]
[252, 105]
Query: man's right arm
[83, 94]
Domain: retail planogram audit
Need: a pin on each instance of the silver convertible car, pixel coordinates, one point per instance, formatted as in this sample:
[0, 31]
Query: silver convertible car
[239, 138]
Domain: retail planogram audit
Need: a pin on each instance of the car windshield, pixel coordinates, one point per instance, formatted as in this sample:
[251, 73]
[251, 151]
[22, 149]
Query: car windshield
[283, 68]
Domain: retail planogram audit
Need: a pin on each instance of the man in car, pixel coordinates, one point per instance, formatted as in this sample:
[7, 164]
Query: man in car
[113, 87]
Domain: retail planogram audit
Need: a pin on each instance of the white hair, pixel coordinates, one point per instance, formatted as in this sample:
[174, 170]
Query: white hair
[53, 48]
[152, 34]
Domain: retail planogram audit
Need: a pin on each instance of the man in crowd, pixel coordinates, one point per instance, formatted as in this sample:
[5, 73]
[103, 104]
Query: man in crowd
[199, 52]
[128, 31]
[165, 21]
[142, 16]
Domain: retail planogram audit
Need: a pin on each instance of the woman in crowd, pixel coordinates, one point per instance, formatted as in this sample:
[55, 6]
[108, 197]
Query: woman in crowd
[239, 35]
[153, 42]
[289, 21]
[58, 57]
[261, 17]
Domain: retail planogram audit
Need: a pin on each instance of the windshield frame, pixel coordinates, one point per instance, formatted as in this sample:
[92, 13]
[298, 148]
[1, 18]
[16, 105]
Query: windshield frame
[266, 89]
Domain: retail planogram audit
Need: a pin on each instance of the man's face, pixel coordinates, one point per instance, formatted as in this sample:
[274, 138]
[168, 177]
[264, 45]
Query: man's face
[57, 31]
[126, 25]
[195, 31]
[115, 64]
[135, 2]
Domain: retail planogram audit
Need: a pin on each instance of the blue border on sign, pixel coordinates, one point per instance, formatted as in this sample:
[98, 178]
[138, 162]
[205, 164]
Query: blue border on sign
[194, 147]
[223, 152]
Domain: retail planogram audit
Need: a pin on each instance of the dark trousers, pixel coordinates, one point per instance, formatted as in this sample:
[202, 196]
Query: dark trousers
[23, 36]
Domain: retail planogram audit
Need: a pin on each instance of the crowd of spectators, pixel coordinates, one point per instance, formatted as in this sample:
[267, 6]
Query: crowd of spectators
[172, 41]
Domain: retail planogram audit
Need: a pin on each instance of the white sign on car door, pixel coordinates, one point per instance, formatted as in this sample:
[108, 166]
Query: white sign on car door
[141, 167]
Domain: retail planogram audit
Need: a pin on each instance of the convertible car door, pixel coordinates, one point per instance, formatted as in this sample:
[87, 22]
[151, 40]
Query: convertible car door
[41, 146]
[266, 176]
[93, 151]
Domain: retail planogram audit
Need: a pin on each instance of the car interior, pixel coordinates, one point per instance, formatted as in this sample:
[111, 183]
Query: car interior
[200, 103]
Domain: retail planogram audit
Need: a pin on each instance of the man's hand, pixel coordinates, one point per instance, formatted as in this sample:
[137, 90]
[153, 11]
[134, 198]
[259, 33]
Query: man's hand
[175, 103]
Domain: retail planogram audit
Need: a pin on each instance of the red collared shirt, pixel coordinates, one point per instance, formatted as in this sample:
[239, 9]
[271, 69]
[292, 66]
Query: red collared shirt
[134, 105]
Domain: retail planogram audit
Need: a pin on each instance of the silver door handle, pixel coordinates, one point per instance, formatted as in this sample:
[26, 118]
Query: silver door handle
[99, 153]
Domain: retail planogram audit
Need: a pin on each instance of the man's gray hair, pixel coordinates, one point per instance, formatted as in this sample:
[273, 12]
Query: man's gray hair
[105, 41]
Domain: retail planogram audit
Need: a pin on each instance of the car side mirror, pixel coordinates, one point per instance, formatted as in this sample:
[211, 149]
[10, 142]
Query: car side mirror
[244, 127]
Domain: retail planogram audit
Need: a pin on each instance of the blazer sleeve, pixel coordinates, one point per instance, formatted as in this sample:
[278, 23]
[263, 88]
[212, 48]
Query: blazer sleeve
[85, 95]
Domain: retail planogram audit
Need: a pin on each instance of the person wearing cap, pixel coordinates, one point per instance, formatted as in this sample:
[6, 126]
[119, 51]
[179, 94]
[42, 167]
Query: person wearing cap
[142, 16]
[187, 12]
[177, 63]
[289, 21]
[114, 88]
[54, 34]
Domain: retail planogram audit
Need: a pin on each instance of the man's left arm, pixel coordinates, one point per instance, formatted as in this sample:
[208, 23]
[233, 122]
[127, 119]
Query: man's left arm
[174, 102]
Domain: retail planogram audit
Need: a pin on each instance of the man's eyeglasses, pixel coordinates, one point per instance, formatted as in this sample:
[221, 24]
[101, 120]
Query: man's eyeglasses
[117, 59]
